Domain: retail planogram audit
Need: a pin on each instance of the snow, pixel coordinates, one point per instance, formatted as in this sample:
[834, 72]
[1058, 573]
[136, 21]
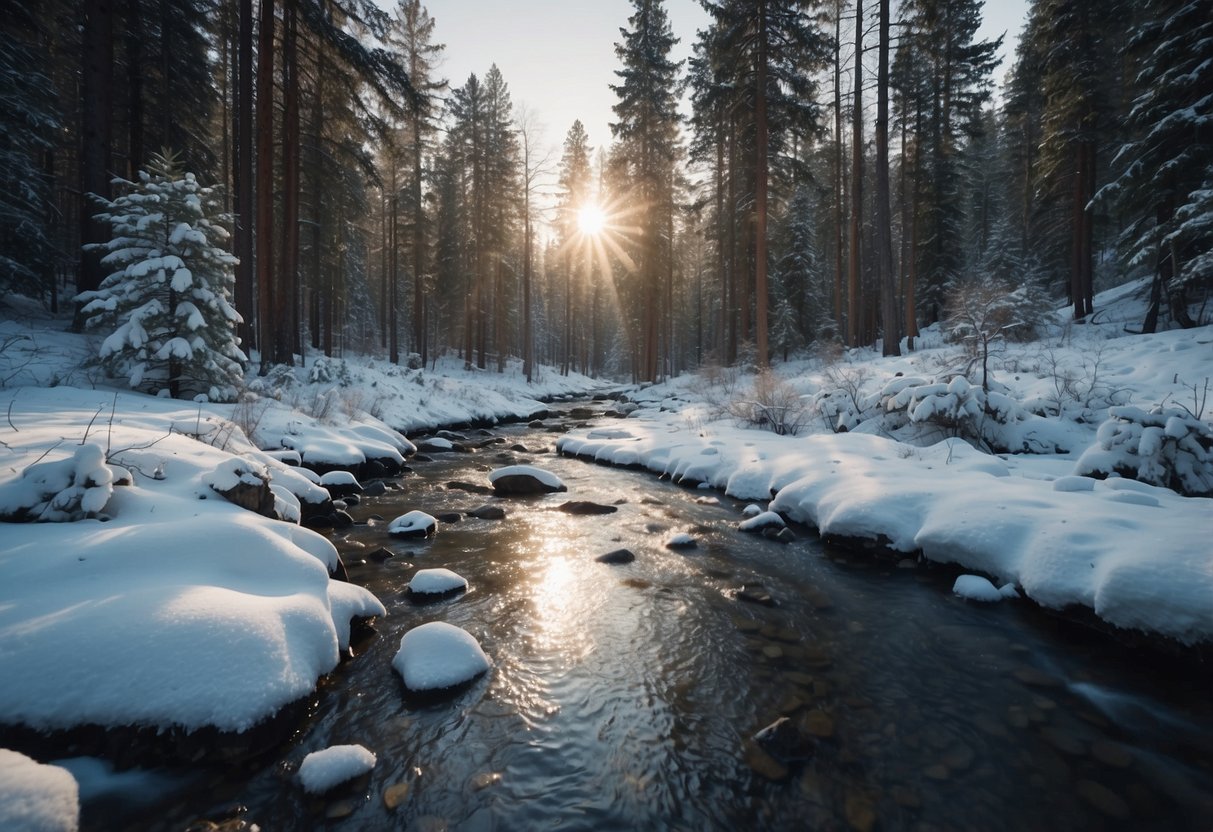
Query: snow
[752, 510]
[438, 655]
[213, 614]
[332, 766]
[977, 588]
[679, 540]
[548, 479]
[338, 478]
[761, 521]
[436, 582]
[1136, 553]
[413, 523]
[435, 443]
[36, 797]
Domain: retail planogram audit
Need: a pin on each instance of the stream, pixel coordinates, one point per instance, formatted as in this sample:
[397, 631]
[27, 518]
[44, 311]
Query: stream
[625, 696]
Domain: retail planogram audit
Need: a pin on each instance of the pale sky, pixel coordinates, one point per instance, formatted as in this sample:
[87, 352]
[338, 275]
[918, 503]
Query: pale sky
[558, 56]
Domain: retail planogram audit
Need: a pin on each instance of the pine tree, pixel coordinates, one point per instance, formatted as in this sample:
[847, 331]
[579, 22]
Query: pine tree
[28, 121]
[1080, 83]
[945, 75]
[647, 132]
[168, 300]
[1164, 170]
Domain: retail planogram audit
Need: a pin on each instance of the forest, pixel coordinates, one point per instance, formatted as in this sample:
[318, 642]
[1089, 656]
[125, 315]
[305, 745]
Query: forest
[848, 173]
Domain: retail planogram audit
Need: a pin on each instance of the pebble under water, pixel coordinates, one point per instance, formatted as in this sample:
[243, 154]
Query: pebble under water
[626, 696]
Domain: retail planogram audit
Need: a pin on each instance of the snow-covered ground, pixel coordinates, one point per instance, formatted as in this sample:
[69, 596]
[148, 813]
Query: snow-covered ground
[1140, 556]
[154, 601]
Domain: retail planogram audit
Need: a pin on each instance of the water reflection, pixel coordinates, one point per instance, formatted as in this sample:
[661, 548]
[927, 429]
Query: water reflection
[624, 696]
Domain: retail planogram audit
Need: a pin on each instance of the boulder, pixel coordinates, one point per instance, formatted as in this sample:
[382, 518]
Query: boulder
[439, 656]
[471, 487]
[436, 584]
[760, 522]
[413, 524]
[449, 517]
[783, 740]
[618, 556]
[244, 483]
[583, 507]
[523, 480]
[755, 594]
[487, 512]
[374, 489]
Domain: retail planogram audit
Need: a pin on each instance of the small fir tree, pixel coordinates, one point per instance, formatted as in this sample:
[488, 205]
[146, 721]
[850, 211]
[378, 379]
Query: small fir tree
[168, 300]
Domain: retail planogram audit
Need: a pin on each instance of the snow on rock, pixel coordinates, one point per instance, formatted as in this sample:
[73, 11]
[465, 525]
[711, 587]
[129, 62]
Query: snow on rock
[286, 505]
[436, 582]
[438, 655]
[764, 520]
[36, 797]
[525, 479]
[323, 770]
[414, 524]
[435, 443]
[752, 510]
[977, 588]
[340, 483]
[338, 478]
[179, 611]
[324, 452]
[680, 540]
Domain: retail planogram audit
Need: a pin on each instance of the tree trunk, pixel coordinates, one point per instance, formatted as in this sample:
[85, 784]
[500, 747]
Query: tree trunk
[394, 294]
[96, 131]
[839, 181]
[884, 217]
[854, 290]
[418, 237]
[760, 195]
[244, 178]
[135, 153]
[287, 311]
[267, 332]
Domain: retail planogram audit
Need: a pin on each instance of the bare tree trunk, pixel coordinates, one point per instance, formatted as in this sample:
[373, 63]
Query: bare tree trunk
[267, 330]
[287, 311]
[394, 294]
[135, 153]
[760, 195]
[96, 136]
[839, 180]
[854, 290]
[884, 217]
[418, 239]
[244, 178]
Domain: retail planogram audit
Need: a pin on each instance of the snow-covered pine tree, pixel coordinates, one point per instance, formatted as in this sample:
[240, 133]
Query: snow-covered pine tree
[28, 120]
[1165, 169]
[168, 300]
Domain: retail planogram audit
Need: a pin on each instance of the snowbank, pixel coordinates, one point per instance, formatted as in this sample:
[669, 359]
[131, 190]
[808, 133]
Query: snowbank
[175, 608]
[36, 798]
[1136, 554]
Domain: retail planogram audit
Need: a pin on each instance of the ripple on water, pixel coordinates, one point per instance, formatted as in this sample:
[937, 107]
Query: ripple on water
[624, 696]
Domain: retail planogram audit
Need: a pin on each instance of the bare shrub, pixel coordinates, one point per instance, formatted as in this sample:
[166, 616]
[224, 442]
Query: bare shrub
[984, 315]
[771, 404]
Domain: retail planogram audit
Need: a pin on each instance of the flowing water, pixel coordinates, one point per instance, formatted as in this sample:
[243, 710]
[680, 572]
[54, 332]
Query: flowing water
[625, 697]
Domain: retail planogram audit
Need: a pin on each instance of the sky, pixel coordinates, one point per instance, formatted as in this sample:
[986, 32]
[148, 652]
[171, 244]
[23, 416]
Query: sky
[558, 56]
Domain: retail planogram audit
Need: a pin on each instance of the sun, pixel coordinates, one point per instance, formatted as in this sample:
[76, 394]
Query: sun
[591, 220]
